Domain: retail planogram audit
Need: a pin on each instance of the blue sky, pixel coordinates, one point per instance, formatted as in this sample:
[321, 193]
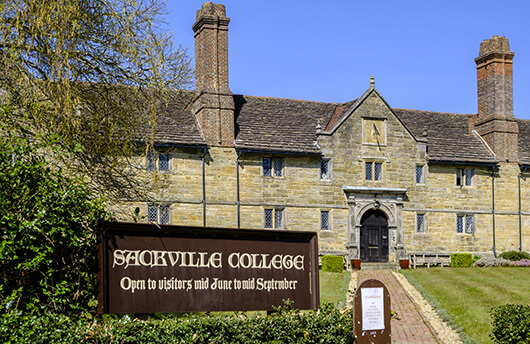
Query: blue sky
[421, 53]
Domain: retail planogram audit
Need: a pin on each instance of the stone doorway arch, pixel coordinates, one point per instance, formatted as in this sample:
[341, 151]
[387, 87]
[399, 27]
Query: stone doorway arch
[388, 201]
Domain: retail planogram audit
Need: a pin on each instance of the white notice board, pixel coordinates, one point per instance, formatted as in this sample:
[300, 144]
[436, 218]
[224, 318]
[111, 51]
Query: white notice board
[373, 311]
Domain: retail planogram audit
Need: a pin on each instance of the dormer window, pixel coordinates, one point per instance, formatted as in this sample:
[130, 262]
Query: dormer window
[464, 176]
[273, 167]
[159, 161]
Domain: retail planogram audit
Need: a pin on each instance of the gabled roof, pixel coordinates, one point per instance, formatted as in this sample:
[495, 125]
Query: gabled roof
[288, 126]
[448, 136]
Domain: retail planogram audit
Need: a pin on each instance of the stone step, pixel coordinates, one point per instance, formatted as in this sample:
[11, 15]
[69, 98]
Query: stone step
[379, 266]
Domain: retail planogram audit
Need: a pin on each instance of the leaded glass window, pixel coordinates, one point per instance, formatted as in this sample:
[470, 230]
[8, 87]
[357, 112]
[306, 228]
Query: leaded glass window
[267, 166]
[469, 176]
[470, 224]
[378, 169]
[368, 170]
[324, 220]
[324, 170]
[152, 213]
[278, 218]
[151, 160]
[158, 214]
[164, 215]
[273, 218]
[420, 223]
[419, 175]
[268, 218]
[465, 224]
[373, 170]
[163, 162]
[278, 167]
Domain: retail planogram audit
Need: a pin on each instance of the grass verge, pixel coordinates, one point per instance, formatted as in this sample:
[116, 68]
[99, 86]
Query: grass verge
[464, 296]
[334, 287]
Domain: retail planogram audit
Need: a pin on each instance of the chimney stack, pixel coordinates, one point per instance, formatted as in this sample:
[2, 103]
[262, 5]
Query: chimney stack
[496, 122]
[214, 102]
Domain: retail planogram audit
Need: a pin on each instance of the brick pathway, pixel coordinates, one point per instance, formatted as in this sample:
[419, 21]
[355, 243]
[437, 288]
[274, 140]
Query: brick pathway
[411, 328]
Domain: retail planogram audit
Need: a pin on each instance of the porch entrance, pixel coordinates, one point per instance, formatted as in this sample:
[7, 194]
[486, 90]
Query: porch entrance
[374, 237]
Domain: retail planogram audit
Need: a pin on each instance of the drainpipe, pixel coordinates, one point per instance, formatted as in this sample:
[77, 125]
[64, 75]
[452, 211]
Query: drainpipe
[520, 221]
[238, 200]
[493, 206]
[204, 187]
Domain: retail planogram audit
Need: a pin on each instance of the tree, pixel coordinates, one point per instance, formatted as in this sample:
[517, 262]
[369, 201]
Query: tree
[47, 228]
[86, 78]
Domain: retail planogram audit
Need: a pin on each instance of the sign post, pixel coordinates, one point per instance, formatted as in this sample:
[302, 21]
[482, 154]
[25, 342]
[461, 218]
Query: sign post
[372, 313]
[148, 268]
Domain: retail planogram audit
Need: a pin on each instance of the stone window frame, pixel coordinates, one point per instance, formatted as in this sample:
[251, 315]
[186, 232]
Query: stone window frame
[329, 165]
[464, 176]
[325, 225]
[422, 180]
[423, 223]
[373, 163]
[275, 221]
[271, 170]
[465, 224]
[160, 161]
[159, 213]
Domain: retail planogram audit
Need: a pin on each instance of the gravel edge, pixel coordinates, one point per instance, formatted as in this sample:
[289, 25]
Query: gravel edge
[445, 333]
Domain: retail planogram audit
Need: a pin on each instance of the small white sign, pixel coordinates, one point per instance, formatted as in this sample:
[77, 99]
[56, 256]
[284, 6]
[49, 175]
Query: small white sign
[373, 309]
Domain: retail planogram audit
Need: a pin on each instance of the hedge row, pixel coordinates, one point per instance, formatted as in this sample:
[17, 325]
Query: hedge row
[328, 325]
[461, 260]
[332, 263]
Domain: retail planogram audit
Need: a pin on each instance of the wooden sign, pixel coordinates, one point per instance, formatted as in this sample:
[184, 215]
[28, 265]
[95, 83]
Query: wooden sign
[148, 268]
[372, 313]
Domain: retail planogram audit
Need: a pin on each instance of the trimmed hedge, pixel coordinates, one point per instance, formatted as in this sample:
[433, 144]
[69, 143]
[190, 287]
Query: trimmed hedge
[329, 325]
[514, 255]
[511, 324]
[461, 260]
[332, 263]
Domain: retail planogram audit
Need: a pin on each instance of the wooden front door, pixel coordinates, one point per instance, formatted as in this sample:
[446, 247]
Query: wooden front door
[374, 237]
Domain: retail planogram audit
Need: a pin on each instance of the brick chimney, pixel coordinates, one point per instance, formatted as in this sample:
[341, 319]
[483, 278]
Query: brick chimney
[214, 102]
[495, 121]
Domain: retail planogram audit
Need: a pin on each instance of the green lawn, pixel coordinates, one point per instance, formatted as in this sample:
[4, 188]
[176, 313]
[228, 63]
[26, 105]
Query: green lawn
[467, 294]
[334, 287]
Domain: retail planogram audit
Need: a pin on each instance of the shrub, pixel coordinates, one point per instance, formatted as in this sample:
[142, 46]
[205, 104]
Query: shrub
[47, 224]
[332, 263]
[511, 324]
[328, 325]
[459, 260]
[514, 255]
[523, 262]
[491, 261]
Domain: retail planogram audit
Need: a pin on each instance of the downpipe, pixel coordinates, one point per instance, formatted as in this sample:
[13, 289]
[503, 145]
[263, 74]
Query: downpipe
[237, 187]
[204, 187]
[520, 211]
[493, 206]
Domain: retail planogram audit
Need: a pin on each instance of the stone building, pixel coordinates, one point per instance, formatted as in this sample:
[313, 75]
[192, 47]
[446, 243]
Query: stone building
[375, 182]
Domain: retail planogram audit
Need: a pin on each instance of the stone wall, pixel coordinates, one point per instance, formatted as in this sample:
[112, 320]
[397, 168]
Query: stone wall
[303, 195]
